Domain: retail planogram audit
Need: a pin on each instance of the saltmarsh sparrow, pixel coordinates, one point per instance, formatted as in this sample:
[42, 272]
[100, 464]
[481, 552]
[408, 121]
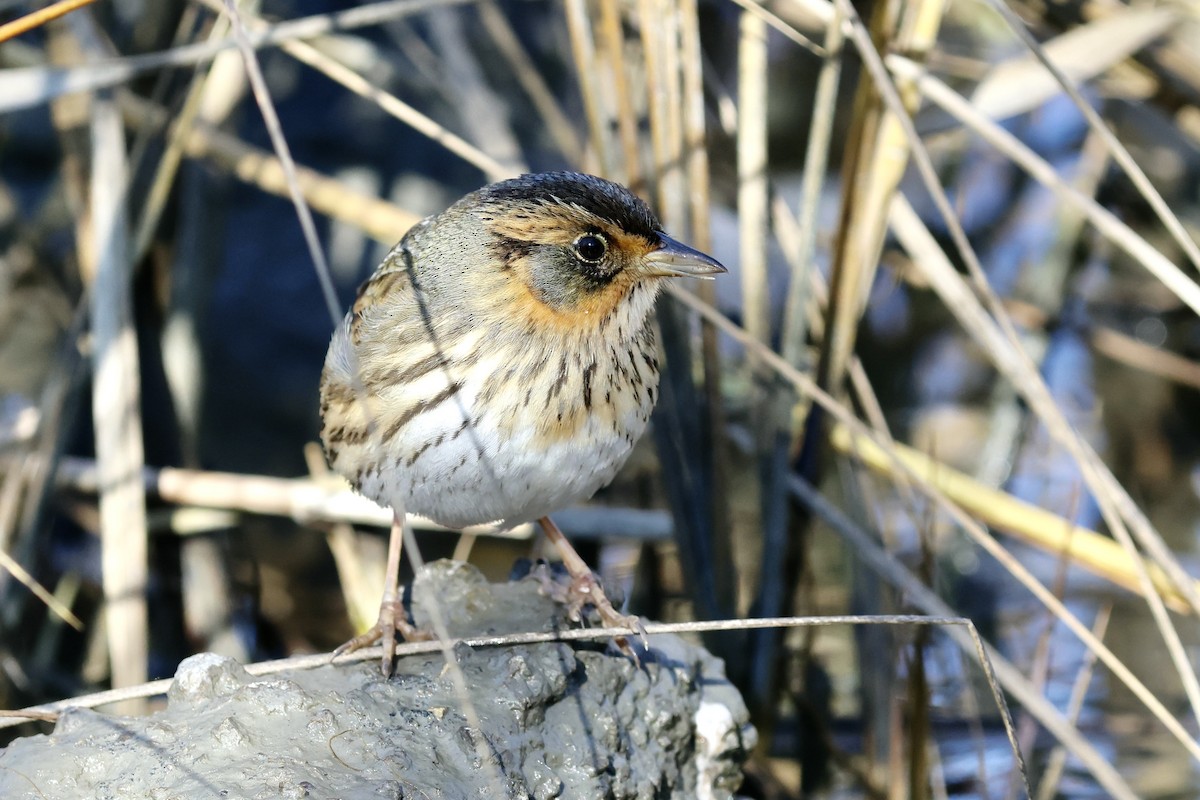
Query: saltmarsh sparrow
[501, 362]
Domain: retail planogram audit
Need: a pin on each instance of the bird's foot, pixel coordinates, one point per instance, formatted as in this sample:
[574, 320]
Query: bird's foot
[583, 590]
[392, 620]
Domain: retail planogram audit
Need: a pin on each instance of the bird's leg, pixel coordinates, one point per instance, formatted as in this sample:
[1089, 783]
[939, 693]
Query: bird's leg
[585, 587]
[391, 611]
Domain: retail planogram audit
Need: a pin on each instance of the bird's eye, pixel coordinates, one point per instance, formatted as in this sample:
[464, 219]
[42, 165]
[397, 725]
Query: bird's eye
[591, 247]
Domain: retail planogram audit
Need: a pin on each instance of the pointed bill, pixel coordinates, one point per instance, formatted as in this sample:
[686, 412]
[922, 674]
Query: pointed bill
[676, 260]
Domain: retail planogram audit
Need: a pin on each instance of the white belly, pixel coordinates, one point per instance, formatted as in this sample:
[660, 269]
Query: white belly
[469, 474]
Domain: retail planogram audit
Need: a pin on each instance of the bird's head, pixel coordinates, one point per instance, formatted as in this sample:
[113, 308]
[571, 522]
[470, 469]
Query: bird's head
[580, 245]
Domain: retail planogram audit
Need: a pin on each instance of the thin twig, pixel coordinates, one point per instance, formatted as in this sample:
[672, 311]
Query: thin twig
[816, 162]
[1043, 529]
[1119, 152]
[31, 583]
[383, 221]
[778, 24]
[315, 660]
[1180, 284]
[998, 669]
[31, 86]
[1136, 354]
[312, 502]
[60, 398]
[1055, 764]
[36, 19]
[965, 306]
[266, 106]
[168, 164]
[1115, 503]
[393, 105]
[1021, 84]
[560, 128]
[979, 535]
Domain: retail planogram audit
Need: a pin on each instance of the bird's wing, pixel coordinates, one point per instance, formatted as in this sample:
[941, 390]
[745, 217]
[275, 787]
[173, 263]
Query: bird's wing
[389, 303]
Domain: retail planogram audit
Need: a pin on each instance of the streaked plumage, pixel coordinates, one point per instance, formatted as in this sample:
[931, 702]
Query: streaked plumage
[501, 362]
[499, 383]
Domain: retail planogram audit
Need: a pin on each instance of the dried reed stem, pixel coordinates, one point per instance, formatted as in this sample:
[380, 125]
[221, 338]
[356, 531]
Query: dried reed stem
[999, 337]
[612, 40]
[316, 502]
[1119, 152]
[671, 170]
[560, 128]
[966, 307]
[1040, 170]
[752, 174]
[38, 18]
[579, 27]
[116, 406]
[875, 162]
[806, 385]
[1055, 764]
[698, 184]
[695, 150]
[653, 47]
[32, 86]
[816, 162]
[381, 220]
[1043, 529]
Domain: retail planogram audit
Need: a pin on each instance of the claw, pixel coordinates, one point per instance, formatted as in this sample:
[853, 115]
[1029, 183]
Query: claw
[585, 590]
[392, 619]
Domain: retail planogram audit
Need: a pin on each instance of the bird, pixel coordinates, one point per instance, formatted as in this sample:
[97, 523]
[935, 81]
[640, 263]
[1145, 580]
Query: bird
[500, 364]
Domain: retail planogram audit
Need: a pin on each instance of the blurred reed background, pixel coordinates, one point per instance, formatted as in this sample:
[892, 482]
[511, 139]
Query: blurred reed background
[952, 373]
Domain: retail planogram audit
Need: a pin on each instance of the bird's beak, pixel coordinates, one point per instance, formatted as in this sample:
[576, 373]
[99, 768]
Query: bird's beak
[676, 260]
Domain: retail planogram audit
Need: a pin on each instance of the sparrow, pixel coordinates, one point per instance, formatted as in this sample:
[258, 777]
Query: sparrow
[501, 363]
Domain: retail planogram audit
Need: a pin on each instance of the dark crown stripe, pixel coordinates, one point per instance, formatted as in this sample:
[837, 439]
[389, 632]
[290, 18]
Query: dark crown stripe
[605, 199]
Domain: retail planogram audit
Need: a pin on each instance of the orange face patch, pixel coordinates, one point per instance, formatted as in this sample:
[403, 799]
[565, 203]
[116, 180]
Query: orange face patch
[587, 314]
[562, 225]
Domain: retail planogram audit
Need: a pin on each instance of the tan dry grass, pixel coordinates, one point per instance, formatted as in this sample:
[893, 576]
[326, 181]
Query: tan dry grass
[673, 159]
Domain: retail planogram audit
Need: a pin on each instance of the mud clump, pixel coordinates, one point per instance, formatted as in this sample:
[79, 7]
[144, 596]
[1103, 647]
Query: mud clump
[547, 720]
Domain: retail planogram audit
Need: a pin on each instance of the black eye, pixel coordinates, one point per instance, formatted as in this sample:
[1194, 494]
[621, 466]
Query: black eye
[591, 247]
